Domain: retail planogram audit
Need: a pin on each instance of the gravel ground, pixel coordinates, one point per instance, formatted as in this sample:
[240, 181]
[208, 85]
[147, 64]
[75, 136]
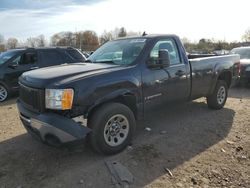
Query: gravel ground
[199, 147]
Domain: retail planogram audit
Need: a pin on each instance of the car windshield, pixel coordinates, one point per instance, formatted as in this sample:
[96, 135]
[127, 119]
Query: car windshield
[75, 54]
[120, 52]
[5, 56]
[243, 52]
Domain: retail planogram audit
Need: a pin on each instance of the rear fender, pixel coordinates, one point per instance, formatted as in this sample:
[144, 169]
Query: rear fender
[216, 77]
[222, 66]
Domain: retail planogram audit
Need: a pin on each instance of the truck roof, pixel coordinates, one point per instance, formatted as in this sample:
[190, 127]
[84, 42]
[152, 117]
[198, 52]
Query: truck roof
[151, 36]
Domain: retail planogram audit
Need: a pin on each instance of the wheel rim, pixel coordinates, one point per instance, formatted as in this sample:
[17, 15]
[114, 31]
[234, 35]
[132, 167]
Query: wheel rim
[221, 95]
[3, 93]
[116, 130]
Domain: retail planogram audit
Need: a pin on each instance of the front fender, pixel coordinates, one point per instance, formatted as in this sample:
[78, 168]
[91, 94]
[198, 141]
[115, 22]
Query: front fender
[123, 89]
[113, 96]
[112, 92]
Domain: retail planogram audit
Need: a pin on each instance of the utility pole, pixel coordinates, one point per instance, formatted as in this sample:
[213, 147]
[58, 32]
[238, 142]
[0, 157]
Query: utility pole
[80, 41]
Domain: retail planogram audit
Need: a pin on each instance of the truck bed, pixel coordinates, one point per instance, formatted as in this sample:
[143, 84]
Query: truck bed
[204, 72]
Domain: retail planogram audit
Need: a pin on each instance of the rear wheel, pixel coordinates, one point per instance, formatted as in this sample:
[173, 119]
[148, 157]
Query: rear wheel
[3, 93]
[219, 97]
[112, 127]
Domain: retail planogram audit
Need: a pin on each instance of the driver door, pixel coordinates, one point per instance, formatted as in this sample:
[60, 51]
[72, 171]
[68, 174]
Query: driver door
[165, 84]
[154, 81]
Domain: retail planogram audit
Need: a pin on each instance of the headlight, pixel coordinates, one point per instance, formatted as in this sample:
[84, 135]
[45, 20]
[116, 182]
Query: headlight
[59, 99]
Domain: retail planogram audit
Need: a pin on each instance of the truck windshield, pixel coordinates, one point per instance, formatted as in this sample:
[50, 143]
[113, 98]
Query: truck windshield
[243, 52]
[5, 56]
[120, 52]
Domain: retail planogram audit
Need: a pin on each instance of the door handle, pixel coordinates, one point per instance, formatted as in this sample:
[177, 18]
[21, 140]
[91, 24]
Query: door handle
[32, 68]
[180, 73]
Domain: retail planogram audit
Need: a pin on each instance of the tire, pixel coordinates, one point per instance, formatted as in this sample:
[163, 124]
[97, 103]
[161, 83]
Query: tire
[4, 93]
[218, 98]
[113, 125]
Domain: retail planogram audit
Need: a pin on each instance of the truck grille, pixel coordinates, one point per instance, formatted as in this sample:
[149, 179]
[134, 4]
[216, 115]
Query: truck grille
[32, 98]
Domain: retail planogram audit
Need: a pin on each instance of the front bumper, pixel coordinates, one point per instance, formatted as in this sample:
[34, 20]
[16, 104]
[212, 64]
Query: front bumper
[49, 125]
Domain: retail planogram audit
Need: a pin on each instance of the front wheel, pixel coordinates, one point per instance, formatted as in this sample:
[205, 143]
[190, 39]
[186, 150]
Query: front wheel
[219, 96]
[112, 125]
[3, 93]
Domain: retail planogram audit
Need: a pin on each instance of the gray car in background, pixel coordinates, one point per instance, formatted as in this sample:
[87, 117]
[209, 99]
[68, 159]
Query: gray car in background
[244, 53]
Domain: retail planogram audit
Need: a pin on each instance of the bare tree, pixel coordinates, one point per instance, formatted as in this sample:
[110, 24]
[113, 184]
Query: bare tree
[122, 32]
[90, 40]
[115, 33]
[12, 43]
[63, 39]
[105, 37]
[40, 40]
[1, 39]
[78, 39]
[246, 36]
[69, 38]
[55, 39]
[111, 35]
[2, 46]
[32, 42]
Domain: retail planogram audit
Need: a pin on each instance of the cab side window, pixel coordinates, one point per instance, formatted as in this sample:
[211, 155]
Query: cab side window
[170, 46]
[26, 58]
[29, 58]
[17, 60]
[51, 57]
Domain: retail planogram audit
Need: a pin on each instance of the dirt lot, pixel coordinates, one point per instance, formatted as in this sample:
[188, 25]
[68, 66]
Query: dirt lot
[201, 147]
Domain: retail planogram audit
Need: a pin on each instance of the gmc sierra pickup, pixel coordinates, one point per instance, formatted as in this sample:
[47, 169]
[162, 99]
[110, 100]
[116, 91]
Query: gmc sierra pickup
[118, 84]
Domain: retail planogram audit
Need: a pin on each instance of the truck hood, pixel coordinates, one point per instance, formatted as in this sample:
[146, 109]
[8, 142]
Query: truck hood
[56, 75]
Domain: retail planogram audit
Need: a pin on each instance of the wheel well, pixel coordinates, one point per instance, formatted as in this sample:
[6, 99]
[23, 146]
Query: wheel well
[5, 85]
[227, 77]
[128, 100]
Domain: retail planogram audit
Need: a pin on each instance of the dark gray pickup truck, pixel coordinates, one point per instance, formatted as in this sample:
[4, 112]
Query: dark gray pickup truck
[118, 84]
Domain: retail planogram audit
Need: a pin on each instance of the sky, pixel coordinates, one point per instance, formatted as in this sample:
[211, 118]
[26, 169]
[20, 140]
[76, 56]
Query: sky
[193, 19]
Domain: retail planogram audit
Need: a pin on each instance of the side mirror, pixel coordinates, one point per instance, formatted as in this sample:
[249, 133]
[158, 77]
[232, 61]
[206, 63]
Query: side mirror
[164, 59]
[13, 66]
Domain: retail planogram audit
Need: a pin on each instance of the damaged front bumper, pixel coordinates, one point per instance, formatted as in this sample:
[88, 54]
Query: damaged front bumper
[51, 127]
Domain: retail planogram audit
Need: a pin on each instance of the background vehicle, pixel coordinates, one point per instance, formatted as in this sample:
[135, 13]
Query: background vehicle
[14, 62]
[86, 54]
[244, 53]
[124, 80]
